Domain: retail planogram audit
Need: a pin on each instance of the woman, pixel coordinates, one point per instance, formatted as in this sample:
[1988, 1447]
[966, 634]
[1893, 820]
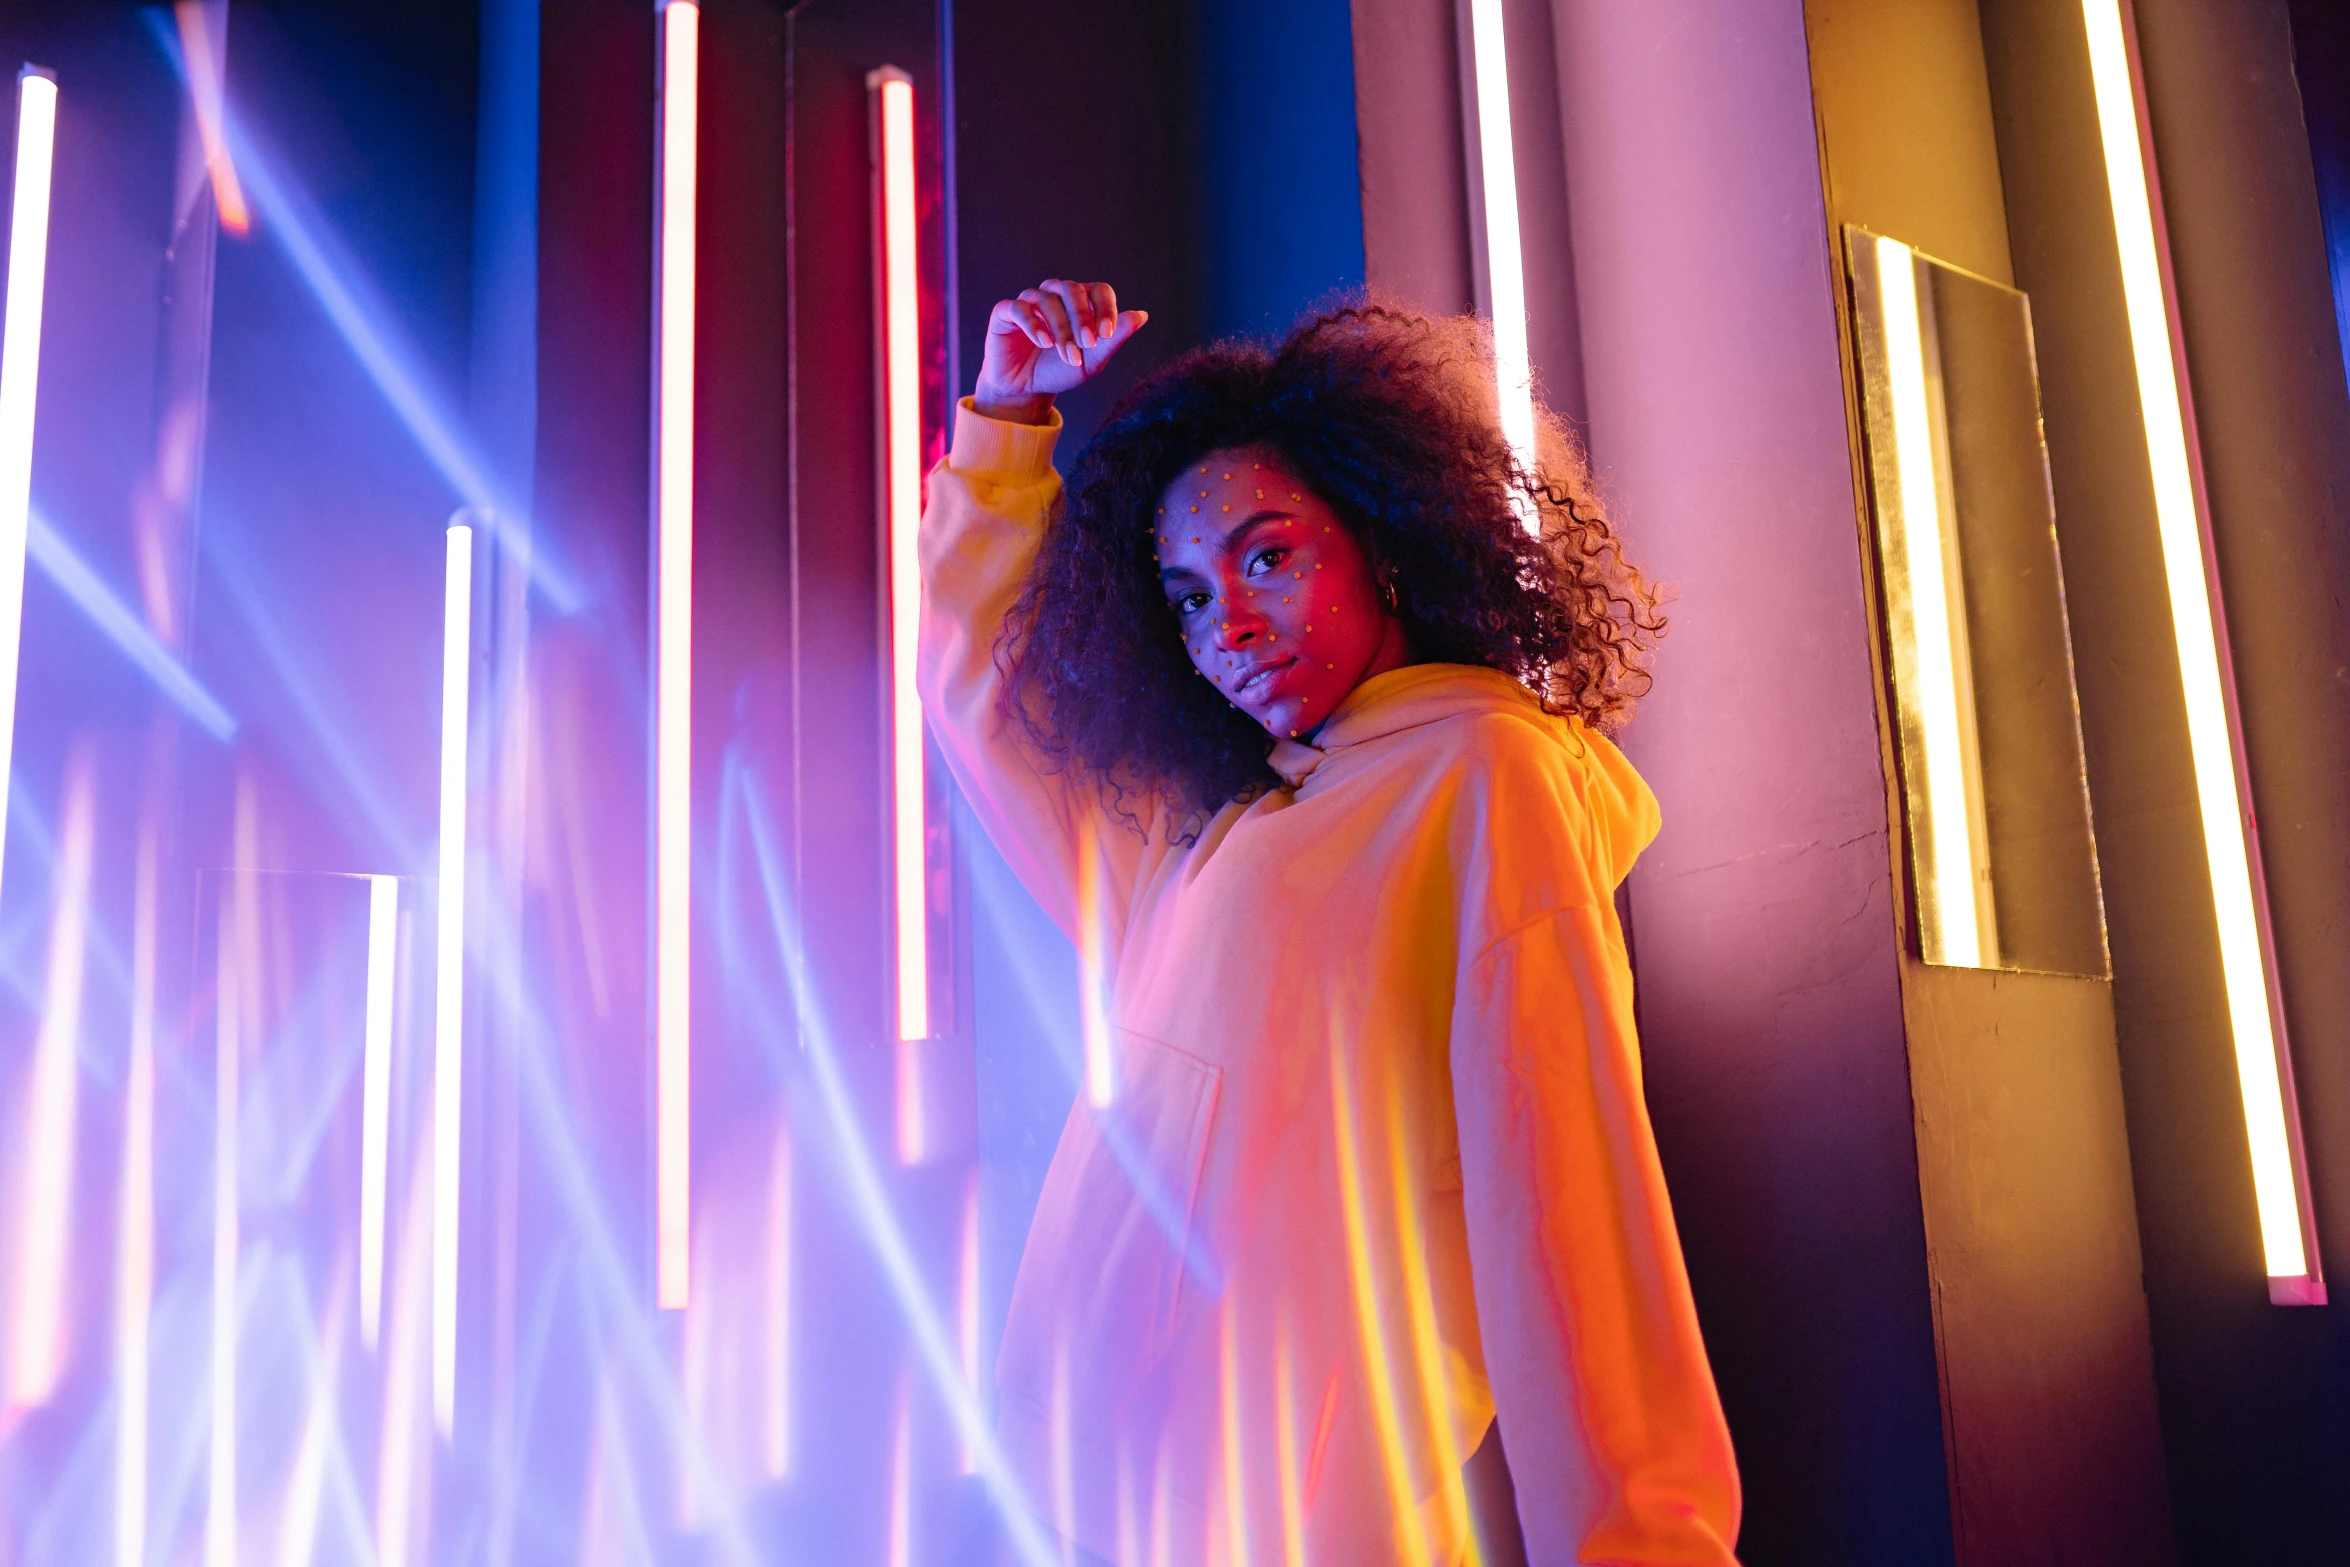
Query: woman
[1288, 720]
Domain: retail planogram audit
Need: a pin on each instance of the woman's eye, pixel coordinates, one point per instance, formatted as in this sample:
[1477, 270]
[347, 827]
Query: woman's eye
[1266, 561]
[1191, 603]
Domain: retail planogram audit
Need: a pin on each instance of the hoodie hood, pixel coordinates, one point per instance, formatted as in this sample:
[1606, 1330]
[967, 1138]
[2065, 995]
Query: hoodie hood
[1420, 694]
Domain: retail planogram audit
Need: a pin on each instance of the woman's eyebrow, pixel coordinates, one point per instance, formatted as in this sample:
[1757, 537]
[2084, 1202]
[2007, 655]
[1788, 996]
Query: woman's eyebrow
[1261, 514]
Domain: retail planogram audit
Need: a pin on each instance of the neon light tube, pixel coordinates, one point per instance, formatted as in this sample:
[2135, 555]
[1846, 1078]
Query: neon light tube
[673, 652]
[2264, 1072]
[236, 999]
[901, 376]
[134, 1255]
[1948, 892]
[20, 366]
[1505, 266]
[448, 1053]
[51, 1099]
[776, 1427]
[1093, 973]
[383, 913]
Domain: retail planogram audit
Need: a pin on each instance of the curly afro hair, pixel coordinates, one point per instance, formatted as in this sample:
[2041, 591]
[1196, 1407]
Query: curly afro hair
[1390, 416]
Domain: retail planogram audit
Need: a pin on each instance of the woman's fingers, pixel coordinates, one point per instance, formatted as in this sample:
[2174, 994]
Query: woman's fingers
[1055, 311]
[1129, 322]
[1010, 319]
[1078, 301]
[1018, 318]
[1104, 300]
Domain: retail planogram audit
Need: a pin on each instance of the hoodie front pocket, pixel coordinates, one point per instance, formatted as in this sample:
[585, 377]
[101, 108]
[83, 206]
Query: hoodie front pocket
[1113, 1246]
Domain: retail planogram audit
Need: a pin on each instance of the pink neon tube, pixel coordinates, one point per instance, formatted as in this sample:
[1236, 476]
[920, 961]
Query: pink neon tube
[902, 379]
[673, 652]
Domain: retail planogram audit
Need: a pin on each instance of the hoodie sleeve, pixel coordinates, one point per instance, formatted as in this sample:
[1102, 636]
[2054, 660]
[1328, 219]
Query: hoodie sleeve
[988, 503]
[1607, 1406]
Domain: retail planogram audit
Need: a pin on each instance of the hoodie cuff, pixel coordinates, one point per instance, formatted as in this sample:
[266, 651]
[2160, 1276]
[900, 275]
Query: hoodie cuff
[1000, 451]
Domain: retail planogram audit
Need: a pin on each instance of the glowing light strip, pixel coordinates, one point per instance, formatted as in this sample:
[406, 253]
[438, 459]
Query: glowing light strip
[123, 626]
[20, 366]
[1093, 970]
[236, 1000]
[967, 1305]
[673, 668]
[776, 1448]
[901, 1479]
[901, 370]
[1370, 1320]
[2263, 1069]
[1233, 1498]
[383, 912]
[134, 1266]
[448, 1052]
[37, 1339]
[1505, 266]
[1946, 890]
[204, 93]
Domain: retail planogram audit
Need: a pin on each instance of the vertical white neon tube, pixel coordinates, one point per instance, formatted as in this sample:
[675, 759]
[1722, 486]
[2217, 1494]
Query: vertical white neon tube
[2263, 1066]
[134, 1257]
[220, 1512]
[375, 1103]
[20, 367]
[1505, 267]
[1948, 871]
[448, 1045]
[901, 378]
[236, 1006]
[673, 652]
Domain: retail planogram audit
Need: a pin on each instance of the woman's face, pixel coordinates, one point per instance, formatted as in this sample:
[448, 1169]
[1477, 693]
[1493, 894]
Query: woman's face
[1277, 603]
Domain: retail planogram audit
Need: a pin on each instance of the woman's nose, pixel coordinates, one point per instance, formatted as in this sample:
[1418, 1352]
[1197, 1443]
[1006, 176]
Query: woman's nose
[1239, 626]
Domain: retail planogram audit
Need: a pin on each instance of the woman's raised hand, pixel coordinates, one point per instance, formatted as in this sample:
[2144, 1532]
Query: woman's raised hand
[1055, 336]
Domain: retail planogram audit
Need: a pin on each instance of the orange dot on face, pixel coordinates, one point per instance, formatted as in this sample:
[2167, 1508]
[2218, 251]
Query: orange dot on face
[1260, 495]
[1227, 476]
[1228, 508]
[1293, 495]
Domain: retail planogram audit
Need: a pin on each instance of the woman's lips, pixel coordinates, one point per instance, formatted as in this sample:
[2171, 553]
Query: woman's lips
[1259, 676]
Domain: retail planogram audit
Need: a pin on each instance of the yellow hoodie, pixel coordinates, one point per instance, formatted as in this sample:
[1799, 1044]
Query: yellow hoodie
[1362, 1160]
